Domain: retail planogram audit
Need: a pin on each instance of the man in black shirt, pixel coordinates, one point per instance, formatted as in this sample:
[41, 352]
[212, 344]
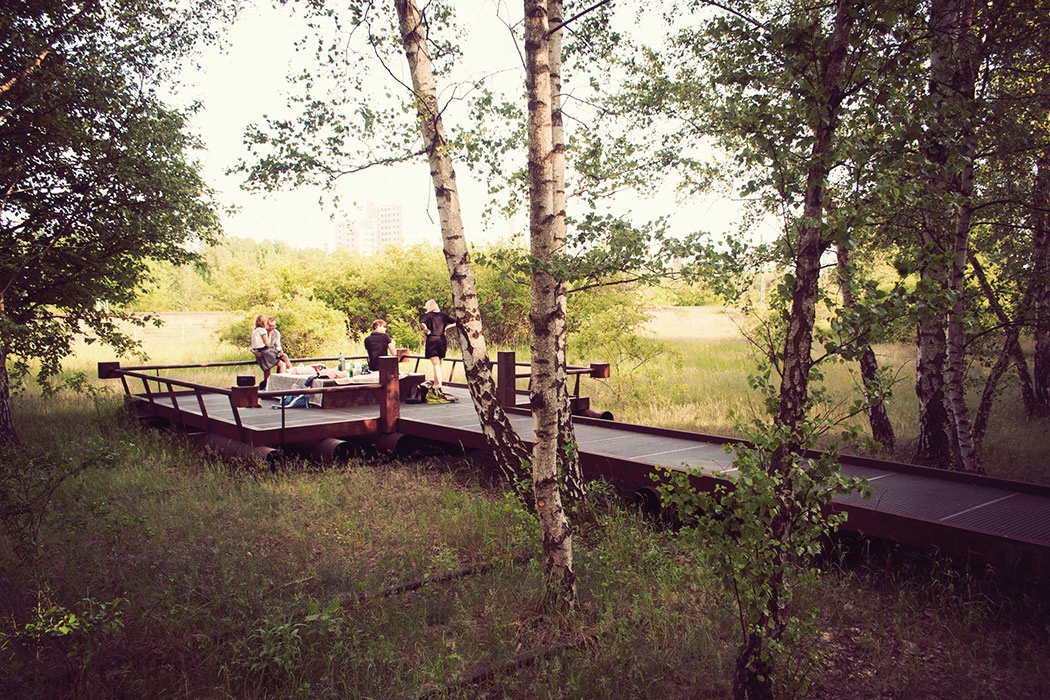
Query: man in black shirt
[378, 344]
[434, 322]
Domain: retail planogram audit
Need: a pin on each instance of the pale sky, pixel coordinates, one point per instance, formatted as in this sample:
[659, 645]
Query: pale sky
[239, 85]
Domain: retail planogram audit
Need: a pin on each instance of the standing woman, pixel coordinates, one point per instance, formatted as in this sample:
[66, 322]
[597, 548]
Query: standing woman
[264, 353]
[433, 323]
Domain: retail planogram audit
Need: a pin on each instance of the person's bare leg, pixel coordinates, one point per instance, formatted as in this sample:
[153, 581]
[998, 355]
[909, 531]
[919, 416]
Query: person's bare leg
[437, 371]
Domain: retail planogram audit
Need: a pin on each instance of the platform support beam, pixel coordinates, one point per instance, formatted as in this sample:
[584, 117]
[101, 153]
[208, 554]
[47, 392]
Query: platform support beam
[506, 381]
[390, 394]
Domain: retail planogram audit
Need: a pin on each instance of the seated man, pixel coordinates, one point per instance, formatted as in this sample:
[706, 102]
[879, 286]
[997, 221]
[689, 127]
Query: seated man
[378, 344]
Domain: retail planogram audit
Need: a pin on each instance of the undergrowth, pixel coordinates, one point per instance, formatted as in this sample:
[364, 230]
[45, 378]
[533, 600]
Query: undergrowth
[153, 570]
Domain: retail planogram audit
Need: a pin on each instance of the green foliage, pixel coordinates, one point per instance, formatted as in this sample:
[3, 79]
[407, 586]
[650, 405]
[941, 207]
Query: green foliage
[604, 323]
[240, 274]
[760, 533]
[306, 325]
[96, 170]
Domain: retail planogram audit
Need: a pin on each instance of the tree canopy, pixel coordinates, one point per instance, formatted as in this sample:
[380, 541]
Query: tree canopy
[95, 171]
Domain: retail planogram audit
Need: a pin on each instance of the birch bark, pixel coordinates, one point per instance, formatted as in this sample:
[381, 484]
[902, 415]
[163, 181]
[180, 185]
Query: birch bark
[950, 150]
[511, 454]
[543, 314]
[568, 455]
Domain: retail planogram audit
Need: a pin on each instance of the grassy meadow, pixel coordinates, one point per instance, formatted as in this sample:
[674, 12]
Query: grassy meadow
[132, 565]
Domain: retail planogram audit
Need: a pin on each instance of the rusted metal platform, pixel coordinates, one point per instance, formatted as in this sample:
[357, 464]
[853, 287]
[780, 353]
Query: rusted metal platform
[995, 521]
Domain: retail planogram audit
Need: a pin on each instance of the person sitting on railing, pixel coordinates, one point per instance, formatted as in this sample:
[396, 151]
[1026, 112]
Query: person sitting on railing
[265, 354]
[378, 344]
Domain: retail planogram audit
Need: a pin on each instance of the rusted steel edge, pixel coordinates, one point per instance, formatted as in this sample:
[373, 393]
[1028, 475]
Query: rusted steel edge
[517, 661]
[844, 458]
[414, 584]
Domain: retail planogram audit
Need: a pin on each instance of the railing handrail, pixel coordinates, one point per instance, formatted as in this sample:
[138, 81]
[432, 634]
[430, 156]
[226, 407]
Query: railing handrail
[262, 394]
[172, 382]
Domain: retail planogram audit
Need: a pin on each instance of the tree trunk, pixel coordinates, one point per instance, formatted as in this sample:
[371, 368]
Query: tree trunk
[951, 150]
[751, 679]
[8, 435]
[874, 405]
[509, 451]
[1040, 274]
[945, 434]
[543, 313]
[568, 455]
[1011, 351]
[935, 443]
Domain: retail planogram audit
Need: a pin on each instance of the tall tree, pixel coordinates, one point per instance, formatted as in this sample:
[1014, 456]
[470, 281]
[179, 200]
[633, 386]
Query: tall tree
[546, 315]
[949, 147]
[783, 77]
[874, 395]
[95, 177]
[568, 456]
[510, 452]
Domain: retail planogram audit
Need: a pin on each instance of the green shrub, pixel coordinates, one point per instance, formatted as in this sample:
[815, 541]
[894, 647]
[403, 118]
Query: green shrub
[306, 325]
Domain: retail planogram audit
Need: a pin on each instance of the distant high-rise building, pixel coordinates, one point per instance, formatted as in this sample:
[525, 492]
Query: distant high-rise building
[381, 227]
[387, 228]
[350, 235]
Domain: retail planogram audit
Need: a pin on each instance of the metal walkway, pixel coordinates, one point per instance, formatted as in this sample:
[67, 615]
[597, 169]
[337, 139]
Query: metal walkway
[995, 521]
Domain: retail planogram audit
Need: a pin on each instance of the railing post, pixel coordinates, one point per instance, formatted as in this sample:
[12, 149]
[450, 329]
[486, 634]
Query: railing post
[600, 370]
[244, 396]
[506, 381]
[107, 370]
[389, 394]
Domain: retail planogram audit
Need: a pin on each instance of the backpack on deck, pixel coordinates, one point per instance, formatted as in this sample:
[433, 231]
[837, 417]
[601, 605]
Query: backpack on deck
[296, 401]
[417, 394]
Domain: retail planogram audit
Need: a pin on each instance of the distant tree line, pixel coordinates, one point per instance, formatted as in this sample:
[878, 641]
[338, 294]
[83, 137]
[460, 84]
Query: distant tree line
[309, 287]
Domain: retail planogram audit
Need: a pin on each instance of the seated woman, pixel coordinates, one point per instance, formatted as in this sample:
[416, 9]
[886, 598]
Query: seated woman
[283, 363]
[265, 353]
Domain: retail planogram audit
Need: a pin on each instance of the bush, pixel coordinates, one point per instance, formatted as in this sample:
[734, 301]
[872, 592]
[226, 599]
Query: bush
[306, 325]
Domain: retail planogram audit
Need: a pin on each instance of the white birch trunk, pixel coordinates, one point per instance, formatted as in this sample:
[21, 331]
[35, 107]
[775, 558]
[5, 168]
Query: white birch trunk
[568, 455]
[557, 536]
[952, 85]
[507, 447]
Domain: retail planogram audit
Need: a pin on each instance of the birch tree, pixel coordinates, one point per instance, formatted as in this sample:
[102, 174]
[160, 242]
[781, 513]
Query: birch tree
[781, 76]
[510, 452]
[546, 315]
